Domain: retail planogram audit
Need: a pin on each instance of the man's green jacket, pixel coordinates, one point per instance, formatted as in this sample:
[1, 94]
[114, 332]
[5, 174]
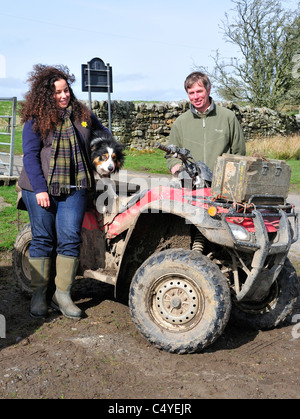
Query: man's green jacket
[207, 135]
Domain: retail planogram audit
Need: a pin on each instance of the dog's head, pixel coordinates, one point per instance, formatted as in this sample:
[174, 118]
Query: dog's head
[106, 153]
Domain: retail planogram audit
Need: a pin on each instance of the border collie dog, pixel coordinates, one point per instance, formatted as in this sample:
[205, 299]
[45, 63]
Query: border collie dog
[107, 157]
[106, 153]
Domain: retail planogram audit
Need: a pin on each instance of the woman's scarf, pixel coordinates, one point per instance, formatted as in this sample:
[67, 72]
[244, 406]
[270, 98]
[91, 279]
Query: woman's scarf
[66, 151]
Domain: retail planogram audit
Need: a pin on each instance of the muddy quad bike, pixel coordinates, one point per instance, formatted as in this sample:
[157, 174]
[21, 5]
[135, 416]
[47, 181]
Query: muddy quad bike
[186, 261]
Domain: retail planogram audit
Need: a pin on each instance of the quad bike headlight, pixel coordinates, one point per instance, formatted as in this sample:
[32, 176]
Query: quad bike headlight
[239, 232]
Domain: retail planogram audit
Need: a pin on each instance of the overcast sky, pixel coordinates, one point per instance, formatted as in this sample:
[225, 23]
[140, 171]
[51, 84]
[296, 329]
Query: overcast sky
[151, 45]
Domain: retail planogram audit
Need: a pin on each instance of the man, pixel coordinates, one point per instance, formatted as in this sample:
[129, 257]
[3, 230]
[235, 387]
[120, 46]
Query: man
[207, 130]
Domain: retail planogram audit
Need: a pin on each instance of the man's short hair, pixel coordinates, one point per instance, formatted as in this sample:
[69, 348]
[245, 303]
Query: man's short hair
[196, 77]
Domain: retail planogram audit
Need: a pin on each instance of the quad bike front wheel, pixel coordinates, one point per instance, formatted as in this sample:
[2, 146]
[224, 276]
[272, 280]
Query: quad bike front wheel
[180, 301]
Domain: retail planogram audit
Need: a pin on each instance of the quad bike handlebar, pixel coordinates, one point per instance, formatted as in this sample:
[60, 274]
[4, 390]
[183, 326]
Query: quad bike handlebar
[182, 153]
[199, 172]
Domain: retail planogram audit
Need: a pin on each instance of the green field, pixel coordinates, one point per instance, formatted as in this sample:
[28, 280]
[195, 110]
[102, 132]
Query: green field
[6, 109]
[12, 220]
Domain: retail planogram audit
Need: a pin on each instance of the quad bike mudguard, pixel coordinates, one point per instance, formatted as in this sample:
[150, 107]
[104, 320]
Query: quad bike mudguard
[260, 279]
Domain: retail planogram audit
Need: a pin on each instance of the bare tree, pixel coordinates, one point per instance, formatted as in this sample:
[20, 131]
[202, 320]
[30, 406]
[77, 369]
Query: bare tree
[267, 38]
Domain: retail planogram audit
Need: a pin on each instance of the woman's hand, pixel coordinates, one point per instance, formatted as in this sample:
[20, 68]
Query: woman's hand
[43, 199]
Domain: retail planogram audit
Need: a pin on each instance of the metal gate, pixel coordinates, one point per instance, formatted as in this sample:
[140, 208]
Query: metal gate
[7, 157]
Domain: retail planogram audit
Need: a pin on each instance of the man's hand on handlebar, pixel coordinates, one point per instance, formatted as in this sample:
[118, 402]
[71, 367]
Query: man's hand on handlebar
[176, 169]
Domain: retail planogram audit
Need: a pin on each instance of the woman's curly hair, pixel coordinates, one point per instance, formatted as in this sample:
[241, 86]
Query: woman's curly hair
[40, 103]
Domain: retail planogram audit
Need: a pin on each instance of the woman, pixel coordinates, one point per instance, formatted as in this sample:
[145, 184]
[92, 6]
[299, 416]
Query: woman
[56, 175]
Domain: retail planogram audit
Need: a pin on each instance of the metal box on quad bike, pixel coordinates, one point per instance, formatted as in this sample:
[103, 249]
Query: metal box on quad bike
[240, 178]
[185, 260]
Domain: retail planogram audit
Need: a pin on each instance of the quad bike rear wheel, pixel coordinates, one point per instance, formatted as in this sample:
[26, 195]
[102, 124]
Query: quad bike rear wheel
[20, 262]
[180, 301]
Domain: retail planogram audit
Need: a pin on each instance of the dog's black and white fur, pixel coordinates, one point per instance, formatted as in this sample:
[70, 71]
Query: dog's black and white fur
[106, 153]
[107, 157]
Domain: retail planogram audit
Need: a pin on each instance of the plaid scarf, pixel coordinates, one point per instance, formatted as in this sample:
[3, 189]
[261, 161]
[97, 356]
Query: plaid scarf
[65, 148]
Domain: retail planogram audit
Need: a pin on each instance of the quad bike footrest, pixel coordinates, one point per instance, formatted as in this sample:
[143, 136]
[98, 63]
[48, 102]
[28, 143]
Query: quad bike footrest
[102, 275]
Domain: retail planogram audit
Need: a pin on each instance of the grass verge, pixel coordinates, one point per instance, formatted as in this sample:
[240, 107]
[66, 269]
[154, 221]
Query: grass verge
[152, 161]
[11, 219]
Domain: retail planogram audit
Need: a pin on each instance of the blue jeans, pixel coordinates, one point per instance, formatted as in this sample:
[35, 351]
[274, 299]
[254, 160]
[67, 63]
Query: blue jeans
[58, 228]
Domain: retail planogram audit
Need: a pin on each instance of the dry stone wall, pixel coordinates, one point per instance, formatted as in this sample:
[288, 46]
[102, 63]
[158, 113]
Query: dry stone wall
[140, 125]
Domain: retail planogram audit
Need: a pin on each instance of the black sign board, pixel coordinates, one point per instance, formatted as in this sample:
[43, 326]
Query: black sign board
[100, 76]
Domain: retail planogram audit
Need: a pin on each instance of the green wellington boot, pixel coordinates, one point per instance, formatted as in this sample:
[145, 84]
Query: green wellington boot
[40, 269]
[66, 268]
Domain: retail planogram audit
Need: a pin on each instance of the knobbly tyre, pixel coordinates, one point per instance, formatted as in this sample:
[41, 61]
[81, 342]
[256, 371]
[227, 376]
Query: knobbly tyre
[185, 260]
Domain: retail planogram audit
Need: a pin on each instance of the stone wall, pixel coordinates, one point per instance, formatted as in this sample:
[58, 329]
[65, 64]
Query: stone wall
[140, 125]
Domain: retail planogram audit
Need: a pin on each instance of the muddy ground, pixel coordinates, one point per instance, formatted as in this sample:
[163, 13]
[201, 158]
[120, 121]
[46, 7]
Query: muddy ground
[104, 356]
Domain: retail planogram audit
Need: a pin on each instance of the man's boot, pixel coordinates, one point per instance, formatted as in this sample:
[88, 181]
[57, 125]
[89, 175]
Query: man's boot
[66, 268]
[40, 269]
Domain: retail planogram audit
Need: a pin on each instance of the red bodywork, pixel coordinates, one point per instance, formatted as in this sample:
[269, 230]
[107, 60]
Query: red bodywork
[199, 198]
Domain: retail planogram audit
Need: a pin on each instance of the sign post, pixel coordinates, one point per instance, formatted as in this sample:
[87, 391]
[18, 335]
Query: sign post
[108, 94]
[89, 84]
[97, 77]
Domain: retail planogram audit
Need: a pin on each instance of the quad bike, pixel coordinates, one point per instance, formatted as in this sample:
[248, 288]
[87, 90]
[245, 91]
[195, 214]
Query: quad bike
[186, 261]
